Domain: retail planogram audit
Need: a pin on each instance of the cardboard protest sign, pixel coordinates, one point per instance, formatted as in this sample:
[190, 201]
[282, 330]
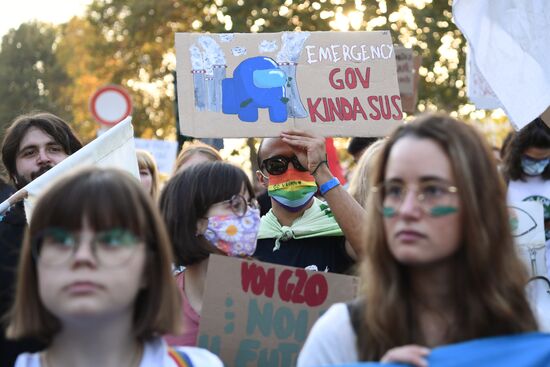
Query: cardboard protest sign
[407, 77]
[527, 222]
[259, 314]
[258, 84]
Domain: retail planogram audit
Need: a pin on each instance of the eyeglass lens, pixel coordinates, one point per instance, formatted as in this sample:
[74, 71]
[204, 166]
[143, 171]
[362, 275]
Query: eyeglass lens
[435, 198]
[111, 247]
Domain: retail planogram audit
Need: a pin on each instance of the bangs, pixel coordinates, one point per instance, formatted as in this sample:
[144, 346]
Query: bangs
[104, 202]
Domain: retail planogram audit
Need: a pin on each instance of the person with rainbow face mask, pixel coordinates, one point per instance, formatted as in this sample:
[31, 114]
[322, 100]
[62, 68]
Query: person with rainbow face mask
[301, 230]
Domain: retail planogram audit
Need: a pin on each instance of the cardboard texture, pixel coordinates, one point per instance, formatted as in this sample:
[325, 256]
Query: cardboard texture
[258, 84]
[259, 314]
[407, 64]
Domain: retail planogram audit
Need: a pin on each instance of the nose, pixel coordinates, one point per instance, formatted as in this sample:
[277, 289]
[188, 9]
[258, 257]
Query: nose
[84, 253]
[43, 156]
[410, 207]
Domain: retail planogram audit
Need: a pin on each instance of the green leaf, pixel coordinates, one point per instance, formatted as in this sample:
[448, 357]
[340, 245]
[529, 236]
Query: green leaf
[246, 102]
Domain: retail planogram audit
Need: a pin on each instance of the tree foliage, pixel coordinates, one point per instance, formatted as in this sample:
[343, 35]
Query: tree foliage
[31, 78]
[131, 43]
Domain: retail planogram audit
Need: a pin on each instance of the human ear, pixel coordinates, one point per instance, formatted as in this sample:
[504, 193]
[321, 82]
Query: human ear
[202, 224]
[262, 179]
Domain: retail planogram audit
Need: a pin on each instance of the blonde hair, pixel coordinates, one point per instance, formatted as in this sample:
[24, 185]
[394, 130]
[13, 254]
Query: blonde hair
[359, 186]
[108, 198]
[147, 161]
[195, 147]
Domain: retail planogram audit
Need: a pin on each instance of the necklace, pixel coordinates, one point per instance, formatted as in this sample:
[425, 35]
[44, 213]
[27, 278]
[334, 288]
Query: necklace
[135, 362]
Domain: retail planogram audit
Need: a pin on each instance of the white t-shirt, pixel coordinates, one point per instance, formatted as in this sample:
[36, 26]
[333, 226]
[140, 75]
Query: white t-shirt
[533, 189]
[331, 341]
[155, 354]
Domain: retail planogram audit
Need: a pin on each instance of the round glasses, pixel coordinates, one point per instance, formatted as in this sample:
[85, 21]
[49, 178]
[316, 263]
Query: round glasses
[56, 246]
[279, 164]
[239, 205]
[436, 198]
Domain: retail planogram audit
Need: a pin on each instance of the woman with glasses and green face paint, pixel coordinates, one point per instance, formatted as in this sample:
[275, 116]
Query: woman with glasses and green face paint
[209, 208]
[439, 265]
[94, 278]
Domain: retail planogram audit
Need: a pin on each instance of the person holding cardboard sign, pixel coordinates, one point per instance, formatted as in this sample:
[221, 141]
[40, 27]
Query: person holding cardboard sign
[440, 265]
[301, 230]
[209, 208]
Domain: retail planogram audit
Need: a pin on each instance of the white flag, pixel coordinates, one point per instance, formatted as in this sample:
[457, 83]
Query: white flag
[115, 148]
[511, 48]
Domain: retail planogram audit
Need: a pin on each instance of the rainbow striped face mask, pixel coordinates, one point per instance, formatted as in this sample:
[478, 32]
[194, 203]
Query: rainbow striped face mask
[293, 189]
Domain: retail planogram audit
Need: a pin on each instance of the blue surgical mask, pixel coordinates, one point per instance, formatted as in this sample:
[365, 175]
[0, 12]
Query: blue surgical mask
[534, 167]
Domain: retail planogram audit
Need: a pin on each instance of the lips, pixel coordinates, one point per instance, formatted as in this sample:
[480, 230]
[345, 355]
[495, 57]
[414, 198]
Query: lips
[409, 236]
[83, 287]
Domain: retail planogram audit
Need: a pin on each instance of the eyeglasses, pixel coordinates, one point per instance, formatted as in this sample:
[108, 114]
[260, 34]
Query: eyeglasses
[239, 205]
[113, 247]
[279, 164]
[434, 197]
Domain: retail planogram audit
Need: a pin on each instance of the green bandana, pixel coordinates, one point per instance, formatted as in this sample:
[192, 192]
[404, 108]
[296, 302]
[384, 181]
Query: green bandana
[317, 221]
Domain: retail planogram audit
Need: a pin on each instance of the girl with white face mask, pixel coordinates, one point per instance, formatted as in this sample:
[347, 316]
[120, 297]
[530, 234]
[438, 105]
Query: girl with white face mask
[527, 170]
[94, 278]
[209, 209]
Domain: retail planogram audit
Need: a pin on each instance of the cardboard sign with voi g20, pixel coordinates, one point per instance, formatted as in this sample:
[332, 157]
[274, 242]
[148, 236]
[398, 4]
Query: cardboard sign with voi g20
[258, 84]
[259, 314]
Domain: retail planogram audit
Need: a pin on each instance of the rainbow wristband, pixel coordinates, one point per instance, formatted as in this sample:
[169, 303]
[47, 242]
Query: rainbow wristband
[329, 185]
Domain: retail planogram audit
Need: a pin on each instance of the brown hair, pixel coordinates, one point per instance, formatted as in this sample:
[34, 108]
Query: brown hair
[186, 199]
[488, 286]
[359, 185]
[196, 147]
[147, 161]
[52, 125]
[107, 198]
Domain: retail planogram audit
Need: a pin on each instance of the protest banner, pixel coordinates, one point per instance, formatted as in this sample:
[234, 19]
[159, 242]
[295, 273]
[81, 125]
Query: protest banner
[478, 90]
[510, 49]
[163, 151]
[258, 84]
[114, 148]
[259, 314]
[407, 76]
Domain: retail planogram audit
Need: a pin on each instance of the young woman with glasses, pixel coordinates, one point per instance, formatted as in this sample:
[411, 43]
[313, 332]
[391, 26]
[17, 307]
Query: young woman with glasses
[94, 278]
[440, 265]
[209, 208]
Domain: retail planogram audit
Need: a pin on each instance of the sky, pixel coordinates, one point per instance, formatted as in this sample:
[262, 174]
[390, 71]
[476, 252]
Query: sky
[53, 11]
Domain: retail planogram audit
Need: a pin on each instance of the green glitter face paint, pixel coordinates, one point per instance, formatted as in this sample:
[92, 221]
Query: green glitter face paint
[439, 211]
[389, 212]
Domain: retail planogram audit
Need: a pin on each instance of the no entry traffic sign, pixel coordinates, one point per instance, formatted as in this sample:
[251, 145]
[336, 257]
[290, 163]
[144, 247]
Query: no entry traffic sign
[110, 104]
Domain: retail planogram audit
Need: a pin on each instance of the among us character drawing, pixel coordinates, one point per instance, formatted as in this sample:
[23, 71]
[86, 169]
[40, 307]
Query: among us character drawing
[257, 82]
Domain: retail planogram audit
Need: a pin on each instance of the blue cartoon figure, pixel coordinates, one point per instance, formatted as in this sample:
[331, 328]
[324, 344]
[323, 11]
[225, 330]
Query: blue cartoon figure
[257, 82]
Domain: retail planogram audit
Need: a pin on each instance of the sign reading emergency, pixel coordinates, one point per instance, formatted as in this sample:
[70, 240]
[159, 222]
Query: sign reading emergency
[256, 85]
